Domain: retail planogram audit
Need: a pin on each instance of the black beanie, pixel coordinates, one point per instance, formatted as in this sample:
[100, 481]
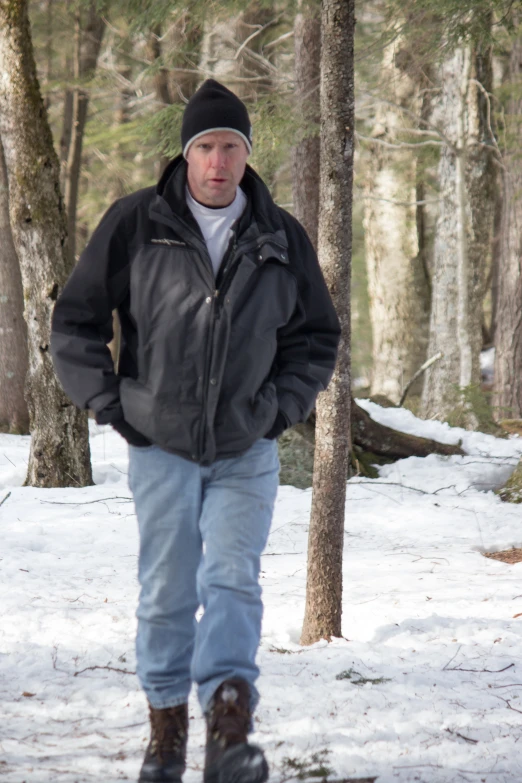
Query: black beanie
[214, 108]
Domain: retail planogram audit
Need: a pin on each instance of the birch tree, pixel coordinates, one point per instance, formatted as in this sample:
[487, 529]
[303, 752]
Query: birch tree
[463, 231]
[333, 431]
[398, 279]
[88, 34]
[59, 454]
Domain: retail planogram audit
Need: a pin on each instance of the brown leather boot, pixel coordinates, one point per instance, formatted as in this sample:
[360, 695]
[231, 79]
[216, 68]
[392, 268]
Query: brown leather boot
[166, 753]
[228, 757]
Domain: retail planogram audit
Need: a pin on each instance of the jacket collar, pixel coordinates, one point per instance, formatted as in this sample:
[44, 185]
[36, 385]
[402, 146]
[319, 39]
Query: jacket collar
[260, 217]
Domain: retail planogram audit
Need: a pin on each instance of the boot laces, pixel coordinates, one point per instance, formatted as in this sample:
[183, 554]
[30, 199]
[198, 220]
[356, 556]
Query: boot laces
[230, 717]
[168, 730]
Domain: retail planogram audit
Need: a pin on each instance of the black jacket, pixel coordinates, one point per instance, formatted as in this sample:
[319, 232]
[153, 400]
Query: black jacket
[205, 365]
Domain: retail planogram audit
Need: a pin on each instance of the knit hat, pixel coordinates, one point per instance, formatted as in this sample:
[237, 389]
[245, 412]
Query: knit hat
[214, 108]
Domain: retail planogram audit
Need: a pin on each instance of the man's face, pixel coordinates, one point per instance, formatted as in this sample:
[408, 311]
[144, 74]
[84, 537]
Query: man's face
[216, 164]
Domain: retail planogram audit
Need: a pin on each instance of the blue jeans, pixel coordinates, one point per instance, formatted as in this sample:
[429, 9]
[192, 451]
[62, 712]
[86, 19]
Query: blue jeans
[202, 532]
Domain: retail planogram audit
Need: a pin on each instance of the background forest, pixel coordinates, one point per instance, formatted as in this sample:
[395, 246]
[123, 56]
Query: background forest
[437, 205]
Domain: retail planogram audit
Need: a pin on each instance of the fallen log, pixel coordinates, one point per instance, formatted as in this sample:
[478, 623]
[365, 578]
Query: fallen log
[383, 441]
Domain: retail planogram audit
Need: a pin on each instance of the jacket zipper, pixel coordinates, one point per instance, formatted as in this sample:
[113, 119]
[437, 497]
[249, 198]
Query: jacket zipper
[214, 315]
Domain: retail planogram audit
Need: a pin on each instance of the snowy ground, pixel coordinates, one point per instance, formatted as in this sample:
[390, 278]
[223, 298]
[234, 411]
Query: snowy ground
[448, 707]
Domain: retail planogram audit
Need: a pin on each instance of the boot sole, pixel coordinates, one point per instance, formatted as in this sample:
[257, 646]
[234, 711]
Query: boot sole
[239, 764]
[161, 776]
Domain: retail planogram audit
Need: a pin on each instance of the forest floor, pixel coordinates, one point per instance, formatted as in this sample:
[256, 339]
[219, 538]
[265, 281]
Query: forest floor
[426, 684]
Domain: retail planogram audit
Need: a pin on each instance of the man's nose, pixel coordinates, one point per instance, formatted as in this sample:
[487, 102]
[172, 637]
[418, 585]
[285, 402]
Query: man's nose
[218, 158]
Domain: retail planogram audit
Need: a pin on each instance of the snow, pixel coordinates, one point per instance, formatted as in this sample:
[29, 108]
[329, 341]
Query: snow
[446, 704]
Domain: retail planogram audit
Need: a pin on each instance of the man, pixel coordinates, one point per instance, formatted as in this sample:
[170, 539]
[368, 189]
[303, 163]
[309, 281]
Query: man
[228, 335]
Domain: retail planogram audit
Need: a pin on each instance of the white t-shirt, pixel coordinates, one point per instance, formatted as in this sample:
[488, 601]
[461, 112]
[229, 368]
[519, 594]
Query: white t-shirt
[215, 224]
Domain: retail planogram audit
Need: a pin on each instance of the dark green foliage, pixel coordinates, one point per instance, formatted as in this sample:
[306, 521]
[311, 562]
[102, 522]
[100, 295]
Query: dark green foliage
[440, 25]
[314, 766]
[472, 399]
[296, 456]
[358, 679]
[511, 492]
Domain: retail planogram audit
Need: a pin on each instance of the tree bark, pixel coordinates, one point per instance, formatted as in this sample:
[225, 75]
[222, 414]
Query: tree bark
[306, 154]
[87, 44]
[463, 233]
[160, 79]
[398, 286]
[508, 325]
[59, 454]
[14, 416]
[333, 433]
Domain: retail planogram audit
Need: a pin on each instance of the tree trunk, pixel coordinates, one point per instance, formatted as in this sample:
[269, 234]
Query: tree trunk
[463, 233]
[508, 324]
[14, 416]
[305, 154]
[333, 432]
[87, 44]
[397, 283]
[48, 68]
[121, 161]
[59, 453]
[160, 79]
[65, 138]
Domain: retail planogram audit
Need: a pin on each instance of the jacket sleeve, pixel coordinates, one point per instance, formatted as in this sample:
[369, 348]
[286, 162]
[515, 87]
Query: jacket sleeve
[307, 344]
[82, 319]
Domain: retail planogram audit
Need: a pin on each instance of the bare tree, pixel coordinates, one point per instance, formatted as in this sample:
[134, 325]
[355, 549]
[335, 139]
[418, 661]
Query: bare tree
[508, 332]
[173, 81]
[398, 282]
[59, 453]
[88, 34]
[333, 431]
[464, 230]
[305, 178]
[231, 50]
[14, 416]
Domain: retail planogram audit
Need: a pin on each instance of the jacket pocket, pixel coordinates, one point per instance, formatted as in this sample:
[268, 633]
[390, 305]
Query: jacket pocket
[137, 403]
[240, 422]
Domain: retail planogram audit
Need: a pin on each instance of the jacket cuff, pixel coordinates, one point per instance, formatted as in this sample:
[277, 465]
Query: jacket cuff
[110, 414]
[290, 408]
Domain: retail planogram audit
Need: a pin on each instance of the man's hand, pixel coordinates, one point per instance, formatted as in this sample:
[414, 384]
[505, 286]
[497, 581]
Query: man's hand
[278, 427]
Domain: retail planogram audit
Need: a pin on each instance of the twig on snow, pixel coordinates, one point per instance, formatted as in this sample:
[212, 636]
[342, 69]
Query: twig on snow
[444, 668]
[390, 484]
[84, 503]
[480, 671]
[457, 734]
[109, 668]
[506, 701]
[4, 499]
